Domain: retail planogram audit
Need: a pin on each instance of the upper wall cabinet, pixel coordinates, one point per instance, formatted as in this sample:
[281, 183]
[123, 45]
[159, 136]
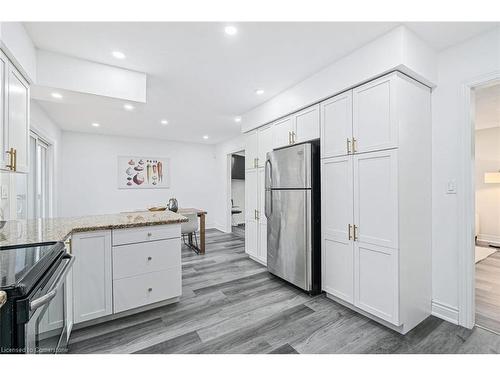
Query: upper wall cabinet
[14, 104]
[251, 150]
[299, 127]
[336, 125]
[265, 144]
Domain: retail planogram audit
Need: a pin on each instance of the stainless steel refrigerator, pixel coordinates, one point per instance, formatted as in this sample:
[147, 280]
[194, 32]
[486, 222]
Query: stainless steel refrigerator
[292, 209]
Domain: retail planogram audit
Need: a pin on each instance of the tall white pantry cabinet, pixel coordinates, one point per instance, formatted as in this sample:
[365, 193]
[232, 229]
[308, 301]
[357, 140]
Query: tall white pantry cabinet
[376, 200]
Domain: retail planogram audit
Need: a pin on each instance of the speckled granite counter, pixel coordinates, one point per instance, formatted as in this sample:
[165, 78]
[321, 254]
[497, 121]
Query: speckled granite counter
[18, 232]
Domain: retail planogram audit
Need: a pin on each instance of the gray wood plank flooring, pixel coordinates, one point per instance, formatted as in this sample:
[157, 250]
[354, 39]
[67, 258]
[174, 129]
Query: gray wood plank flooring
[231, 304]
[488, 292]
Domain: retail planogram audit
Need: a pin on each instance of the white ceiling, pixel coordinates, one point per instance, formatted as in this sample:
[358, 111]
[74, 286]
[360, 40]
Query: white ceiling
[199, 78]
[487, 111]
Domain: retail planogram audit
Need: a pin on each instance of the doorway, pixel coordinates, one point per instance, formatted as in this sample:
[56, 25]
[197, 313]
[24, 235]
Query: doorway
[237, 193]
[487, 206]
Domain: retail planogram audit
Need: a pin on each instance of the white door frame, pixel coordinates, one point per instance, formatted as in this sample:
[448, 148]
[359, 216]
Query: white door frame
[228, 224]
[466, 216]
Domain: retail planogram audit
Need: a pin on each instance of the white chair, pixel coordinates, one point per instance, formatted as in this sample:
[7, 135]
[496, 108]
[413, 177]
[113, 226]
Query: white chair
[189, 229]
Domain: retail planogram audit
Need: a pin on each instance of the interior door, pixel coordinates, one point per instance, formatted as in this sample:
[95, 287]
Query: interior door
[307, 124]
[336, 125]
[337, 219]
[376, 198]
[376, 275]
[374, 115]
[251, 150]
[282, 130]
[251, 206]
[18, 92]
[288, 236]
[265, 144]
[262, 253]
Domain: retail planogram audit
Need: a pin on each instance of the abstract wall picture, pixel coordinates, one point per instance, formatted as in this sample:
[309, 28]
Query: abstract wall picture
[136, 172]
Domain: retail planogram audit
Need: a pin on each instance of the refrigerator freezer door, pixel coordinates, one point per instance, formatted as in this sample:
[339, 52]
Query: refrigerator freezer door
[289, 237]
[290, 168]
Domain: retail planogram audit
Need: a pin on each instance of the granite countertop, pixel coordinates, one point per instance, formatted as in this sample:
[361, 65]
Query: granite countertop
[19, 232]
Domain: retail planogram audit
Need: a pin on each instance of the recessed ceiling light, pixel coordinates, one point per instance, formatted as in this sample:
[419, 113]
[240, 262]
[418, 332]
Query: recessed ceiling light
[164, 122]
[205, 137]
[56, 95]
[259, 91]
[237, 119]
[230, 30]
[118, 55]
[128, 107]
[95, 124]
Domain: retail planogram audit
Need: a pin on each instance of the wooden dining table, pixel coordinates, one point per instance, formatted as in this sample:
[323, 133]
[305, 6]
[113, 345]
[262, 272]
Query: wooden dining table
[201, 214]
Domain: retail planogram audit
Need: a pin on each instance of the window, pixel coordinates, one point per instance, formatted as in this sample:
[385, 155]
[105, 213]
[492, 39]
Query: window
[39, 199]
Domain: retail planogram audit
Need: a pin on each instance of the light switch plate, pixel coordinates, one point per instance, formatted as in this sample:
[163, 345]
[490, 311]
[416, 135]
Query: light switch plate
[451, 187]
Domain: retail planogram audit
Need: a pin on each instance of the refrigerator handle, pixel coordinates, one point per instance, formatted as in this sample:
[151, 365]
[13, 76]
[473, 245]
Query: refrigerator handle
[268, 204]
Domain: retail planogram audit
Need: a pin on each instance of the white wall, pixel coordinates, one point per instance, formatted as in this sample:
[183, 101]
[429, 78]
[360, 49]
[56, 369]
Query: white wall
[223, 178]
[488, 195]
[238, 197]
[456, 65]
[89, 175]
[43, 125]
[18, 46]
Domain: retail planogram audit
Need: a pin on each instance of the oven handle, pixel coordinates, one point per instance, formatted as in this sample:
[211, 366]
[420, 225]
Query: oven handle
[46, 298]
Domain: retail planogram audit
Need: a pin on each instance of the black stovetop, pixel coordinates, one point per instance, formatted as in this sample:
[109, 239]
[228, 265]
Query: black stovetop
[21, 267]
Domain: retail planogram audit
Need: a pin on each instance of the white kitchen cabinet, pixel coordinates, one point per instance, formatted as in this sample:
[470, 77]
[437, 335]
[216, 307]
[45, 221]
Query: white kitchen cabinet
[92, 275]
[261, 217]
[282, 132]
[251, 150]
[14, 114]
[306, 124]
[377, 283]
[376, 201]
[251, 206]
[337, 219]
[265, 144]
[375, 120]
[336, 125]
[376, 198]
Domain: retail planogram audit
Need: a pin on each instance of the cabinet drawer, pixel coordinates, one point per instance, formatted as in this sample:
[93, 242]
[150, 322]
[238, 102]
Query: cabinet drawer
[144, 234]
[145, 289]
[139, 258]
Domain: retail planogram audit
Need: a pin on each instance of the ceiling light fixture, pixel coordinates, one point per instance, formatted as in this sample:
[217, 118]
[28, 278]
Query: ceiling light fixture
[164, 122]
[237, 119]
[205, 137]
[128, 107]
[56, 95]
[95, 124]
[259, 91]
[231, 30]
[118, 55]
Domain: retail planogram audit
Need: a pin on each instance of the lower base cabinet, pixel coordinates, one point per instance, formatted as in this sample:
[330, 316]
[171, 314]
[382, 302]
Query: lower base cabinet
[112, 275]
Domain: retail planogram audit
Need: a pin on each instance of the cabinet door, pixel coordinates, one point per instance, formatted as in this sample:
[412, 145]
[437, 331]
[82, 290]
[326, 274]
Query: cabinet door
[307, 124]
[92, 275]
[3, 110]
[262, 217]
[265, 142]
[336, 125]
[376, 280]
[376, 198]
[251, 204]
[251, 150]
[282, 130]
[337, 215]
[19, 101]
[374, 115]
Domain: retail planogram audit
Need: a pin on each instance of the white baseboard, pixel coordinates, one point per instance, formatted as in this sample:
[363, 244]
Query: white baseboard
[220, 227]
[445, 312]
[490, 238]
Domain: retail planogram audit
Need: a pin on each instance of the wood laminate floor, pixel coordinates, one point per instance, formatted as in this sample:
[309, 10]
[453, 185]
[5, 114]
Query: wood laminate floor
[488, 292]
[231, 304]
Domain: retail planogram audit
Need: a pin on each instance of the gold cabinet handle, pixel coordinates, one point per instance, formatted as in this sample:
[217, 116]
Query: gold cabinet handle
[15, 159]
[293, 137]
[348, 147]
[289, 138]
[255, 214]
[354, 144]
[12, 159]
[349, 229]
[355, 232]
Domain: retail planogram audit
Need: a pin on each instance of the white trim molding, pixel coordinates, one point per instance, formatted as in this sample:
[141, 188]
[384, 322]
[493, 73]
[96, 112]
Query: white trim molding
[445, 312]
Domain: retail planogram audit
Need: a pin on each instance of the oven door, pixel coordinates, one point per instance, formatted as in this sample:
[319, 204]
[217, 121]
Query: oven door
[46, 331]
